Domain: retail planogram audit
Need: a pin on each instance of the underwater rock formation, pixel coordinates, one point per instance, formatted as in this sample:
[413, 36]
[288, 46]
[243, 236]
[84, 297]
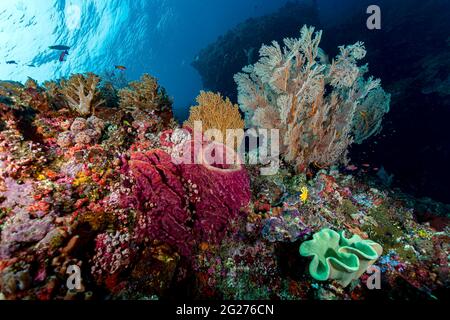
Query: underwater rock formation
[239, 47]
[286, 90]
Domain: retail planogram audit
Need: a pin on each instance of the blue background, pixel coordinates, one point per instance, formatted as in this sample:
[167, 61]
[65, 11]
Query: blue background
[160, 37]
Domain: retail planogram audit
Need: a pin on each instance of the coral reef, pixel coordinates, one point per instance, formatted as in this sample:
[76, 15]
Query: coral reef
[216, 113]
[336, 257]
[246, 266]
[27, 95]
[109, 194]
[112, 253]
[82, 132]
[146, 97]
[414, 63]
[286, 90]
[57, 188]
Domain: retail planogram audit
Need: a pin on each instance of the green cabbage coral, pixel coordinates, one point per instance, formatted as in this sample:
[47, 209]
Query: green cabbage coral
[336, 257]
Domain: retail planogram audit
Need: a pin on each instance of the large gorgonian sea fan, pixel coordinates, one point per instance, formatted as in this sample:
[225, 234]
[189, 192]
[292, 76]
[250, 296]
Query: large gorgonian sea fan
[319, 107]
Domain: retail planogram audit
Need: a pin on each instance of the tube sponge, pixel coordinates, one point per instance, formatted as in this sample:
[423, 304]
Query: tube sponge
[223, 190]
[184, 204]
[339, 258]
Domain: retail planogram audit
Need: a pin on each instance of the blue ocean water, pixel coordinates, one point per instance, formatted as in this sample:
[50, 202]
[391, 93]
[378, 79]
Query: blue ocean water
[160, 37]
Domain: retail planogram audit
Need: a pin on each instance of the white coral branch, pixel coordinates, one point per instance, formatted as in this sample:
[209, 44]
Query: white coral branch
[286, 89]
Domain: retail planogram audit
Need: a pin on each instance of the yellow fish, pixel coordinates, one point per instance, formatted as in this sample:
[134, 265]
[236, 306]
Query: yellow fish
[304, 194]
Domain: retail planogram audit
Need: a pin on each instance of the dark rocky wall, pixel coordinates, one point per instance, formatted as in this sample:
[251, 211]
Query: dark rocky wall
[411, 54]
[218, 62]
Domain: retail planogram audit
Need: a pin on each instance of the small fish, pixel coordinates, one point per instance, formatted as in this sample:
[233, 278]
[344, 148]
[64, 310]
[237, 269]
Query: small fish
[385, 177]
[366, 165]
[63, 56]
[352, 167]
[11, 62]
[123, 68]
[60, 48]
[323, 57]
[31, 65]
[304, 194]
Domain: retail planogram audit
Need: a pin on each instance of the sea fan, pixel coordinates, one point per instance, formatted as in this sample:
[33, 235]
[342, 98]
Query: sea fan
[319, 108]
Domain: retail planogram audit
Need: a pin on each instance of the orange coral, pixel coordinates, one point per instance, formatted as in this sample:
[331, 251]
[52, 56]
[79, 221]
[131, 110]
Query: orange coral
[81, 92]
[215, 113]
[145, 95]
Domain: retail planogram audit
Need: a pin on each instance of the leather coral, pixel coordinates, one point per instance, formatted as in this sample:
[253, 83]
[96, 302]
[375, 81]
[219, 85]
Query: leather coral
[82, 93]
[339, 258]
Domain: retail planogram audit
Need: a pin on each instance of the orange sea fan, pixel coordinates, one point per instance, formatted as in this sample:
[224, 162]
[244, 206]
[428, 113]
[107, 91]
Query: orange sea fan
[215, 112]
